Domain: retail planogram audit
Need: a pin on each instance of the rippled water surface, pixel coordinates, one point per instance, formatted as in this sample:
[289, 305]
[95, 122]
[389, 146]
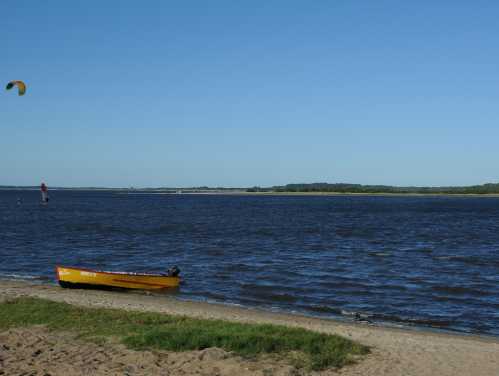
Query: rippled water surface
[429, 261]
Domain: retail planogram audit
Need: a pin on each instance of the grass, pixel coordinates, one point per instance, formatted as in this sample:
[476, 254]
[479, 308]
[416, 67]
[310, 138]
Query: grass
[141, 331]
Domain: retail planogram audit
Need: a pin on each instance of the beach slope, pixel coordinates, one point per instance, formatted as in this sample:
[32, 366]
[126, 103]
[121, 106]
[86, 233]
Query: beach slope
[394, 351]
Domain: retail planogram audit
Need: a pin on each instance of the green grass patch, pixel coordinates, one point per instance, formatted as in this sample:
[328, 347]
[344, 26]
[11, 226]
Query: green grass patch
[141, 331]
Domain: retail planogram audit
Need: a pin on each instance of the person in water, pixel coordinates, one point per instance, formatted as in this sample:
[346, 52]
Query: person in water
[45, 194]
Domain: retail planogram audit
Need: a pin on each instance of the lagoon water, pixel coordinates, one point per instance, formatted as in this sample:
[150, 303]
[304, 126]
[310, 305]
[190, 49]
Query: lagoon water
[417, 261]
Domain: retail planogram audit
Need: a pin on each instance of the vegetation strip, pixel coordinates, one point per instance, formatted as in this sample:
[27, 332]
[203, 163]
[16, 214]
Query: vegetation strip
[147, 331]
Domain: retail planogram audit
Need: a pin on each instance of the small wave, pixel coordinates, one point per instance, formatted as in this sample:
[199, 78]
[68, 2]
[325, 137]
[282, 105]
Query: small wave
[215, 252]
[273, 297]
[163, 229]
[311, 230]
[345, 232]
[424, 250]
[387, 287]
[450, 299]
[430, 322]
[376, 317]
[238, 267]
[459, 290]
[468, 260]
[275, 285]
[350, 293]
[97, 228]
[202, 296]
[380, 254]
[256, 287]
[323, 309]
[222, 275]
[264, 232]
[443, 257]
[355, 314]
[214, 296]
[23, 277]
[267, 293]
[344, 284]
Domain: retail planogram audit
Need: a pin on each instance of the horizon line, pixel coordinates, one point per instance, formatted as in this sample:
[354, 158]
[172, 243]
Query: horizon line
[204, 187]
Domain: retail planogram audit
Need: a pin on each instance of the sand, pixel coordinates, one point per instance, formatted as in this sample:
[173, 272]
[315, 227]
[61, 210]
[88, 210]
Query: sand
[34, 351]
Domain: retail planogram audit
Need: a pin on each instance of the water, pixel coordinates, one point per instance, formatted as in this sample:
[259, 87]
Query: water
[424, 261]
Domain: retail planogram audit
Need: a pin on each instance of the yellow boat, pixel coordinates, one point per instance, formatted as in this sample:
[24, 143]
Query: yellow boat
[86, 278]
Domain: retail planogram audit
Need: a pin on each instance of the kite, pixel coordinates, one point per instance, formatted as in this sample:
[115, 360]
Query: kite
[21, 86]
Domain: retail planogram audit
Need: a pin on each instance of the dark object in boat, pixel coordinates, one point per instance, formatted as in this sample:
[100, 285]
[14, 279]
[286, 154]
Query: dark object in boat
[173, 271]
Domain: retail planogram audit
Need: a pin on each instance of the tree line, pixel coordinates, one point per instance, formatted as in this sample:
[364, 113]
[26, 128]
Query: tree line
[488, 188]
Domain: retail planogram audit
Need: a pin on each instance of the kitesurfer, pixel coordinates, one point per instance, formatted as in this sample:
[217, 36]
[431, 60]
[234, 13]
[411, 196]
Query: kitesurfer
[45, 194]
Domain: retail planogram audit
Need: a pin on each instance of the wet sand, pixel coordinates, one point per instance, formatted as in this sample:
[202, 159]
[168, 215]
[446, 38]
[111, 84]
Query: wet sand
[394, 351]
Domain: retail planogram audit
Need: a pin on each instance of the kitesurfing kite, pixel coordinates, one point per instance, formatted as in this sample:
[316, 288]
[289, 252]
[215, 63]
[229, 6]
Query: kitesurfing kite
[21, 86]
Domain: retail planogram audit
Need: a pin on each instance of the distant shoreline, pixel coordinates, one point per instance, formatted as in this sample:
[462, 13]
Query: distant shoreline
[335, 194]
[305, 189]
[230, 192]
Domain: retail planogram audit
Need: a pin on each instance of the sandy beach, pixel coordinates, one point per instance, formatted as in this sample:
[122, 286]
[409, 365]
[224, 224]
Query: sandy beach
[35, 351]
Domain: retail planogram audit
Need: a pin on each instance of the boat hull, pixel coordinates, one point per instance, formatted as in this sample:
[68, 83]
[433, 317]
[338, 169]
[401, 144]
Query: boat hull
[85, 278]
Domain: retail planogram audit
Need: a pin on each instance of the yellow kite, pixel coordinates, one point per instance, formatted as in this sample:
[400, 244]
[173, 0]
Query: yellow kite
[21, 86]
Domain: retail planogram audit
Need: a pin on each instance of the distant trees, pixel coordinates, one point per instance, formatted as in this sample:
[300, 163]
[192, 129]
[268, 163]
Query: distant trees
[488, 188]
[259, 189]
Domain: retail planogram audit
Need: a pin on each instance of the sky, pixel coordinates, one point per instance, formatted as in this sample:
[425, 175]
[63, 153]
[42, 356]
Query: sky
[249, 93]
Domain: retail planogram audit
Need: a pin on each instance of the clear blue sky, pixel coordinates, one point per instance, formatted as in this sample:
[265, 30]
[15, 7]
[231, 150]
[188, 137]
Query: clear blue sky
[242, 93]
